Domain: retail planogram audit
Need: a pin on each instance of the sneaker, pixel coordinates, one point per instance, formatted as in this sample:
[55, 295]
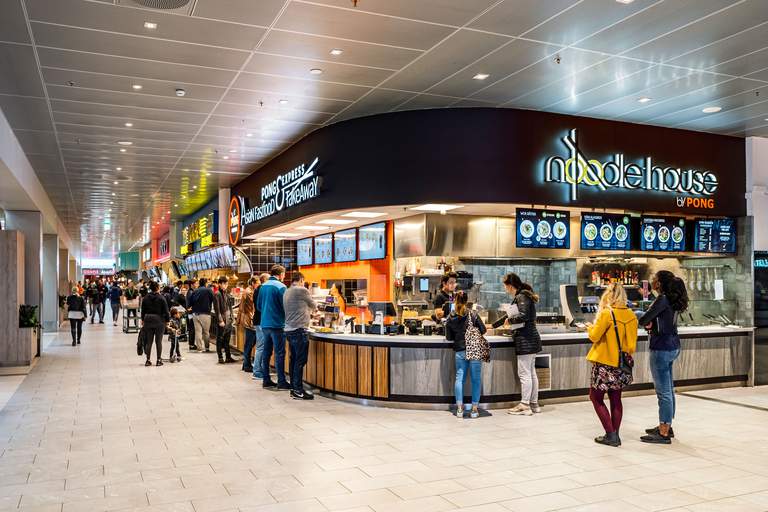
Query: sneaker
[178, 359]
[114, 323]
[171, 360]
[297, 395]
[248, 369]
[609, 439]
[73, 343]
[460, 412]
[283, 387]
[656, 438]
[535, 408]
[221, 361]
[230, 360]
[655, 430]
[521, 410]
[308, 395]
[474, 413]
[159, 363]
[148, 363]
[269, 384]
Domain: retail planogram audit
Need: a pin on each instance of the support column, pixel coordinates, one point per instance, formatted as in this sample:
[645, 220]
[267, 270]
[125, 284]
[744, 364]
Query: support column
[30, 223]
[64, 275]
[223, 228]
[50, 314]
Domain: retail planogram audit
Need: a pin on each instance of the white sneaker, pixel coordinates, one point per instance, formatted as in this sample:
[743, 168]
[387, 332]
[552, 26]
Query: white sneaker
[535, 408]
[460, 412]
[521, 410]
[474, 414]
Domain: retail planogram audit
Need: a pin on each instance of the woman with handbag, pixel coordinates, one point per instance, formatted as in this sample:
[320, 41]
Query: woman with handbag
[614, 340]
[465, 330]
[76, 315]
[661, 322]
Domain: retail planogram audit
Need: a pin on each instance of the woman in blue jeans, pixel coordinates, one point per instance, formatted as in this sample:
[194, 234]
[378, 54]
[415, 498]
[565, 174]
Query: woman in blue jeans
[455, 330]
[661, 322]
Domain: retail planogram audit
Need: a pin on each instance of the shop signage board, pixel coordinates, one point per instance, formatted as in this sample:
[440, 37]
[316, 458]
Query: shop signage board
[486, 155]
[98, 271]
[199, 229]
[605, 232]
[715, 235]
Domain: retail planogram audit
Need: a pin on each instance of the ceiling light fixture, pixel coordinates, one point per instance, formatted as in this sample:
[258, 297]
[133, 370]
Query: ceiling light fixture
[364, 215]
[286, 234]
[123, 150]
[150, 25]
[644, 99]
[335, 222]
[625, 2]
[233, 151]
[129, 125]
[315, 71]
[336, 52]
[175, 205]
[125, 143]
[711, 110]
[283, 102]
[249, 135]
[225, 157]
[480, 76]
[436, 207]
[116, 182]
[118, 168]
[311, 228]
[137, 87]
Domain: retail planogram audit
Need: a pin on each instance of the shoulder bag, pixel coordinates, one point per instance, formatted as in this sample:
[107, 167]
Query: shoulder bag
[478, 348]
[626, 361]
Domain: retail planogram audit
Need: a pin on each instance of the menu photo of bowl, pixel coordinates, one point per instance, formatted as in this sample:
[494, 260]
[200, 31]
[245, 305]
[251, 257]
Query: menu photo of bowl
[605, 231]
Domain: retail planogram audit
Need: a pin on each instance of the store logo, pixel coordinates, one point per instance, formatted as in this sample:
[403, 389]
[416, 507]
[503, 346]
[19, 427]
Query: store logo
[235, 211]
[761, 263]
[578, 170]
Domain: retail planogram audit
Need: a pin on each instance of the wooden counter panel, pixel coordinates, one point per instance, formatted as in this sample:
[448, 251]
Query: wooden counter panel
[310, 371]
[345, 369]
[328, 366]
[381, 372]
[364, 368]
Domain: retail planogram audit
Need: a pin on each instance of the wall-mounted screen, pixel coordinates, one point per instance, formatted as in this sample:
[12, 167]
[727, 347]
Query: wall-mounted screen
[715, 235]
[345, 246]
[543, 229]
[372, 241]
[662, 234]
[324, 249]
[304, 252]
[605, 232]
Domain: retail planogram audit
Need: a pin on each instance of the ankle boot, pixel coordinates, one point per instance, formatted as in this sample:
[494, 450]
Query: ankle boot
[609, 439]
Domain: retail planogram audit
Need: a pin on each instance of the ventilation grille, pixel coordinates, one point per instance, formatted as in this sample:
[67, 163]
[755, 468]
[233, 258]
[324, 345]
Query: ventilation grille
[162, 4]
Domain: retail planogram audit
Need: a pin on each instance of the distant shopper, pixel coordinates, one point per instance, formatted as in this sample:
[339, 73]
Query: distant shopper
[258, 355]
[446, 296]
[455, 330]
[76, 315]
[154, 317]
[201, 302]
[131, 300]
[270, 305]
[614, 331]
[115, 292]
[192, 286]
[299, 308]
[222, 306]
[244, 320]
[527, 342]
[661, 322]
[174, 333]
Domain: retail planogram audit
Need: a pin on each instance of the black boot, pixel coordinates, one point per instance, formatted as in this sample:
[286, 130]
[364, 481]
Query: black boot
[609, 439]
[655, 430]
[656, 438]
[73, 343]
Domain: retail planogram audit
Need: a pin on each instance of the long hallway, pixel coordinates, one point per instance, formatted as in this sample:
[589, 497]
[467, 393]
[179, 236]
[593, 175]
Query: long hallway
[91, 429]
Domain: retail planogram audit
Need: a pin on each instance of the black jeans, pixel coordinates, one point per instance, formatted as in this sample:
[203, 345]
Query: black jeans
[190, 331]
[299, 344]
[155, 328]
[76, 326]
[222, 340]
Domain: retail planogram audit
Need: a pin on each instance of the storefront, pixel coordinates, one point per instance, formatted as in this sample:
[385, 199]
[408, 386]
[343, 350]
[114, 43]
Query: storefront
[568, 203]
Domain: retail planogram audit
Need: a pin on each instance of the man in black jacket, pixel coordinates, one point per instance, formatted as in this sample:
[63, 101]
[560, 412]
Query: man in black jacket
[201, 302]
[224, 317]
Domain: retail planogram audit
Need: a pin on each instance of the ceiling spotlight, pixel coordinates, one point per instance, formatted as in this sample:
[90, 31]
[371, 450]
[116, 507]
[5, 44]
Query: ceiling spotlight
[181, 92]
[116, 182]
[125, 143]
[150, 25]
[644, 99]
[225, 157]
[118, 168]
[480, 76]
[315, 71]
[363, 215]
[111, 202]
[233, 151]
[169, 211]
[129, 125]
[175, 205]
[283, 102]
[436, 207]
[625, 2]
[711, 110]
[137, 87]
[249, 135]
[336, 52]
[123, 150]
[114, 194]
[194, 187]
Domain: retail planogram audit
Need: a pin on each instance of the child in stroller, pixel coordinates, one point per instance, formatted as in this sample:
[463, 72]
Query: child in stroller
[177, 332]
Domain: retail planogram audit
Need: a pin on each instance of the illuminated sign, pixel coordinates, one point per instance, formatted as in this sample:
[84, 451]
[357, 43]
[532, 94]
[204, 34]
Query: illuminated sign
[199, 229]
[184, 249]
[761, 263]
[287, 190]
[235, 212]
[207, 240]
[163, 248]
[98, 271]
[580, 171]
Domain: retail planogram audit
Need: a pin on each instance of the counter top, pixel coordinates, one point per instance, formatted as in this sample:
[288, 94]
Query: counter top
[549, 336]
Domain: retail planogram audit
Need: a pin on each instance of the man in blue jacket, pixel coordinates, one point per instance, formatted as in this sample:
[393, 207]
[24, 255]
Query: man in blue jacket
[270, 305]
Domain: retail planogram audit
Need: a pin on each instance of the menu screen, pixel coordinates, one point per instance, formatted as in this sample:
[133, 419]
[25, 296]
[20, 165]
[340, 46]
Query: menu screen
[372, 241]
[600, 231]
[324, 249]
[715, 235]
[304, 252]
[345, 246]
[662, 234]
[543, 229]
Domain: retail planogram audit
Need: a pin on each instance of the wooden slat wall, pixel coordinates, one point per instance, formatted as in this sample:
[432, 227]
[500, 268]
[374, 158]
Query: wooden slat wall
[310, 372]
[380, 372]
[364, 382]
[345, 368]
[328, 365]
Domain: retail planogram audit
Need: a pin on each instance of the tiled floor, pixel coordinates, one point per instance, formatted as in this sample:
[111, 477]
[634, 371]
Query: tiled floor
[91, 429]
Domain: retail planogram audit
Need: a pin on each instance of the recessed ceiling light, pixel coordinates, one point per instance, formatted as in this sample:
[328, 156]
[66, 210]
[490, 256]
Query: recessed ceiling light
[175, 205]
[225, 157]
[711, 110]
[268, 239]
[436, 207]
[118, 168]
[283, 102]
[150, 25]
[129, 125]
[137, 87]
[125, 143]
[249, 135]
[625, 1]
[336, 52]
[311, 228]
[169, 211]
[233, 151]
[364, 215]
[116, 182]
[194, 187]
[315, 71]
[644, 99]
[286, 234]
[335, 222]
[123, 150]
[111, 202]
[114, 194]
[206, 174]
[480, 76]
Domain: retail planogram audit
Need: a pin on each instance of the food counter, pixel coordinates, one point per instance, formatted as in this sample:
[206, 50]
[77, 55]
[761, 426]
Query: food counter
[418, 371]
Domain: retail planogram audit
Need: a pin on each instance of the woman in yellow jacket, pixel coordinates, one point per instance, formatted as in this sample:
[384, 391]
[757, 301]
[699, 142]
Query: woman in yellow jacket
[612, 317]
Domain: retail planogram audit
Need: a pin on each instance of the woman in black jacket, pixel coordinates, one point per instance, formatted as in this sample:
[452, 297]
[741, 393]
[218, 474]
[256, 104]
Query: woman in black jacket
[527, 343]
[455, 331]
[76, 314]
[154, 317]
[661, 322]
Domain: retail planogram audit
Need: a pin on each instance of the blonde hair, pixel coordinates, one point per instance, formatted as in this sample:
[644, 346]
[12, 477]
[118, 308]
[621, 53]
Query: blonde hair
[613, 296]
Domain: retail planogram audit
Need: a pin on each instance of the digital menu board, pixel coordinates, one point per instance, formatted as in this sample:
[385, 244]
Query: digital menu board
[324, 249]
[372, 241]
[345, 246]
[601, 231]
[543, 229]
[662, 234]
[715, 235]
[304, 252]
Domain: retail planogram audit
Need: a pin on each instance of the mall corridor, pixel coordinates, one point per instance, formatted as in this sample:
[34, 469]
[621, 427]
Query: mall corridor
[91, 429]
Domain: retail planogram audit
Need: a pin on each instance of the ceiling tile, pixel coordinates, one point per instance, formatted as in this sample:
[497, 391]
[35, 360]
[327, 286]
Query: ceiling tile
[83, 107]
[449, 12]
[378, 101]
[130, 99]
[26, 113]
[13, 26]
[240, 11]
[256, 112]
[750, 64]
[271, 101]
[332, 71]
[119, 122]
[725, 49]
[37, 142]
[23, 77]
[515, 17]
[296, 87]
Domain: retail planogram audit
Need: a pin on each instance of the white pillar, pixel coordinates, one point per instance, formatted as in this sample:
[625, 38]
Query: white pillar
[50, 308]
[757, 189]
[223, 233]
[31, 224]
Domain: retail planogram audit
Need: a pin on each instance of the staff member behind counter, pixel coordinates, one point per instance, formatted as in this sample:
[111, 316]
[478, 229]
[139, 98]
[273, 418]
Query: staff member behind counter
[446, 296]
